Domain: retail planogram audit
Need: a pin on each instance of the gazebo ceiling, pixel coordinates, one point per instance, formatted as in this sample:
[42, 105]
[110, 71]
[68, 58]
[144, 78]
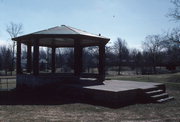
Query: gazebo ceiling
[62, 36]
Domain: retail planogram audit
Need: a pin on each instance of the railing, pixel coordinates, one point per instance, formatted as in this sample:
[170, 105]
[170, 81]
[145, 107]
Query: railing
[7, 83]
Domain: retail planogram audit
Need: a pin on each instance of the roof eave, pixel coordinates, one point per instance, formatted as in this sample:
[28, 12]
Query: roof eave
[73, 36]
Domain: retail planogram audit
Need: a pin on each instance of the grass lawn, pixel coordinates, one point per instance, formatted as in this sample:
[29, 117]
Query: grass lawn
[169, 111]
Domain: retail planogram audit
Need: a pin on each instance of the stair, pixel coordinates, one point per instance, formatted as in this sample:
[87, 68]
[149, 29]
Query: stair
[155, 92]
[156, 95]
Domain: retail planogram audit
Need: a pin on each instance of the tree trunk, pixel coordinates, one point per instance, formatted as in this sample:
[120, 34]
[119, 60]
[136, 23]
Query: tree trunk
[119, 70]
[5, 72]
[136, 68]
[88, 69]
[154, 68]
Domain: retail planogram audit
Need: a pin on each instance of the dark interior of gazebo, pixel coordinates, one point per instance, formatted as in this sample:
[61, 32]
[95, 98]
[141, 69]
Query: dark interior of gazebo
[58, 37]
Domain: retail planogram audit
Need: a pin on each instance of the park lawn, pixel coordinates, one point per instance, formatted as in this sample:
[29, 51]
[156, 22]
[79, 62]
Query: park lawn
[172, 81]
[169, 111]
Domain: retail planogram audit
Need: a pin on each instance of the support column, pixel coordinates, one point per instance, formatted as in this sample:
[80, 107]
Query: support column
[53, 60]
[36, 57]
[101, 62]
[78, 50]
[81, 59]
[18, 60]
[29, 59]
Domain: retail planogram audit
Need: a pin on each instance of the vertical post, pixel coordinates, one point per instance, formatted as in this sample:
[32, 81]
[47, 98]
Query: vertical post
[78, 50]
[29, 59]
[7, 84]
[53, 60]
[18, 60]
[0, 84]
[101, 62]
[36, 57]
[80, 59]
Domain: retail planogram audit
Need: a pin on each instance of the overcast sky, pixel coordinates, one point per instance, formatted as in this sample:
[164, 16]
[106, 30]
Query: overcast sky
[131, 20]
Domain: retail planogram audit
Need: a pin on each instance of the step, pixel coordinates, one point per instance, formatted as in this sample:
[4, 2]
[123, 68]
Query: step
[165, 99]
[150, 89]
[160, 96]
[155, 92]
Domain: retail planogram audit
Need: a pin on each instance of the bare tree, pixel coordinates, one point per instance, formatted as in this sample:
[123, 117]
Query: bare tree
[90, 58]
[6, 54]
[171, 43]
[109, 56]
[14, 30]
[173, 37]
[175, 12]
[153, 46]
[60, 59]
[121, 51]
[136, 59]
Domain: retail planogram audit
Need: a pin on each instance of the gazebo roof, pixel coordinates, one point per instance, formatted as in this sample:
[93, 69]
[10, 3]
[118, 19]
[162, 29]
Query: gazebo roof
[62, 36]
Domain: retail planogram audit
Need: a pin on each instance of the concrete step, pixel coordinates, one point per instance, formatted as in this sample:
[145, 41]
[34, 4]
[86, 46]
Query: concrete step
[165, 99]
[150, 89]
[154, 92]
[159, 96]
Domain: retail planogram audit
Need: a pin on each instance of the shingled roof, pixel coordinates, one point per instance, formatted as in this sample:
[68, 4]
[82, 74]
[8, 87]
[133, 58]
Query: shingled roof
[62, 36]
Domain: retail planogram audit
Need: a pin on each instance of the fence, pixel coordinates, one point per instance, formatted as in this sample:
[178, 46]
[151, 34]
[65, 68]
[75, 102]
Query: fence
[7, 83]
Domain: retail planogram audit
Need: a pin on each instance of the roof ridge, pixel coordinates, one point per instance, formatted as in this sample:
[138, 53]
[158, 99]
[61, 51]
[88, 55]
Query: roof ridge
[71, 28]
[79, 30]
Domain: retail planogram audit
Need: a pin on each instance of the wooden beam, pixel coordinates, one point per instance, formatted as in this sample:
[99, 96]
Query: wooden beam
[72, 36]
[101, 67]
[36, 57]
[53, 60]
[80, 60]
[18, 60]
[29, 59]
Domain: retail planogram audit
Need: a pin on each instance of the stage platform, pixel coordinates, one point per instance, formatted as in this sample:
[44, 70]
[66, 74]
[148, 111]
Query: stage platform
[111, 93]
[119, 92]
[119, 85]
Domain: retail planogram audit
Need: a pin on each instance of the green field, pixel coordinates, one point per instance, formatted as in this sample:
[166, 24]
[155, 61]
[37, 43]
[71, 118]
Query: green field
[75, 112]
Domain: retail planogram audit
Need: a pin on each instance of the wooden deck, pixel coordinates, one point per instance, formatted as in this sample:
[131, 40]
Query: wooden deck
[119, 85]
[117, 93]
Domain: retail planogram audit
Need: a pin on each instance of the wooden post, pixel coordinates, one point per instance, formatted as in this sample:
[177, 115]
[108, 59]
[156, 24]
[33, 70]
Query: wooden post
[80, 59]
[53, 60]
[36, 57]
[78, 50]
[101, 62]
[0, 85]
[18, 60]
[29, 59]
